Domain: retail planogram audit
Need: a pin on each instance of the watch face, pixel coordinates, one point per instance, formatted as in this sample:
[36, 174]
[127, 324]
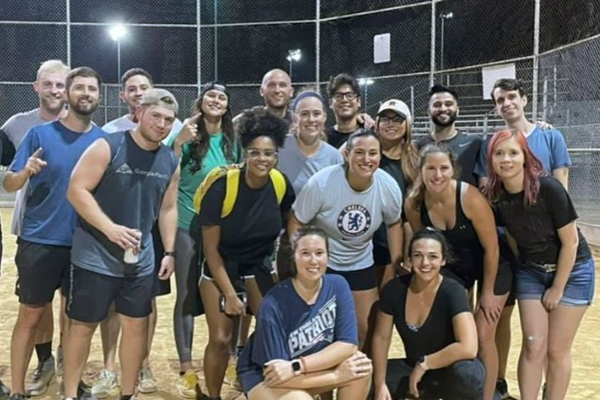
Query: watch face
[296, 365]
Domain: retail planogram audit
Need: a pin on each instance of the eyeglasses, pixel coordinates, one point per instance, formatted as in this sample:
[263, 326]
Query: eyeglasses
[255, 153]
[348, 95]
[397, 119]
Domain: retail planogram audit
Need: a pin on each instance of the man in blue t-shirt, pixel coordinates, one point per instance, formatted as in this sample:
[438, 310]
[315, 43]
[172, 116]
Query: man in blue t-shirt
[46, 158]
[548, 145]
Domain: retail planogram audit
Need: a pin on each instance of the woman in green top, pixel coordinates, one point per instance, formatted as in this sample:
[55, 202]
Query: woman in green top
[207, 140]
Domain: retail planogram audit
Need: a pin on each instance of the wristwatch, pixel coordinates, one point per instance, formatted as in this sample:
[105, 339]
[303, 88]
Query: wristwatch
[422, 362]
[170, 254]
[297, 367]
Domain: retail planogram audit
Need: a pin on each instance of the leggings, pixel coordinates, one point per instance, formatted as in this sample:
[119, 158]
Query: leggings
[188, 303]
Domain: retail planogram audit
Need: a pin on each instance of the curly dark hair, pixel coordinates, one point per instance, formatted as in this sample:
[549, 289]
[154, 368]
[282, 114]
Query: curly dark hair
[201, 143]
[261, 122]
[335, 82]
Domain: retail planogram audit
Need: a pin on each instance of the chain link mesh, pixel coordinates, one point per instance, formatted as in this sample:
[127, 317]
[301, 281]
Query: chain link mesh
[237, 42]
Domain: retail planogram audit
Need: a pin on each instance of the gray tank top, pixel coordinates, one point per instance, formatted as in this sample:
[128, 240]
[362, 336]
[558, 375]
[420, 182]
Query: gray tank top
[130, 193]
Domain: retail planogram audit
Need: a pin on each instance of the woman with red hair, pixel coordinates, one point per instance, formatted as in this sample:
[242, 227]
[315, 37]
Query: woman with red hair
[555, 277]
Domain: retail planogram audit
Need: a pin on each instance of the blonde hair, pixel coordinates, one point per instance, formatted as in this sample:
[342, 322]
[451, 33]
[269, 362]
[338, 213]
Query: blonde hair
[52, 67]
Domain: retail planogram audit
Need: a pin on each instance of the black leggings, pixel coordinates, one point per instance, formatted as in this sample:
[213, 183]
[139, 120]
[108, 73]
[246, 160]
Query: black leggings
[462, 380]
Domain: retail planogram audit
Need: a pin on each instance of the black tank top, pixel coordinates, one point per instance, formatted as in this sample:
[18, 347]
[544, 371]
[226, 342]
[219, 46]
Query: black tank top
[466, 264]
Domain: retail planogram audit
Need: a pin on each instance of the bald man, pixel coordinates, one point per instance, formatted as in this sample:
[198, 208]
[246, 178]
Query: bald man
[276, 89]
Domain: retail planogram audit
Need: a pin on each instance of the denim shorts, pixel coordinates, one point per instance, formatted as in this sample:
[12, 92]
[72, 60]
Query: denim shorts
[532, 282]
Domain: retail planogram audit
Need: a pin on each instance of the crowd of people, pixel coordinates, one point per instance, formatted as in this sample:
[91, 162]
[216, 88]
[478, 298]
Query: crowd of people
[326, 236]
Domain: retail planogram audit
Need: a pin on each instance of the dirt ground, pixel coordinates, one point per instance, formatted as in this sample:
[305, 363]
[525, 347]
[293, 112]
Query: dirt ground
[585, 383]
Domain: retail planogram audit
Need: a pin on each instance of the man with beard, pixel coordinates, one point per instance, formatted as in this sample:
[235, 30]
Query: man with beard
[50, 87]
[113, 253]
[343, 91]
[46, 158]
[443, 110]
[135, 83]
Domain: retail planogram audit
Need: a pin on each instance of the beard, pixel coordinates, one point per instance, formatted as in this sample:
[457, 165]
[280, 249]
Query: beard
[53, 105]
[84, 110]
[450, 121]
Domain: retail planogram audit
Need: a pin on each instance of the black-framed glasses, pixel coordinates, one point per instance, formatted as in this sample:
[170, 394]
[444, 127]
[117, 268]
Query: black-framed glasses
[256, 153]
[397, 119]
[348, 95]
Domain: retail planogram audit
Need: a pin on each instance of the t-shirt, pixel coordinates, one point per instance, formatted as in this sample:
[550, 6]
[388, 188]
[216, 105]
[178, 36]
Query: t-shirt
[130, 194]
[298, 168]
[394, 168]
[288, 328]
[190, 180]
[16, 128]
[349, 218]
[49, 218]
[437, 331]
[466, 148]
[336, 138]
[124, 123]
[548, 145]
[534, 227]
[248, 233]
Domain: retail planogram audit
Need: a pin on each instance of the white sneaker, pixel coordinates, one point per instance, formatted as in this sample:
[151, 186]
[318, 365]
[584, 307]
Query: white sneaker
[146, 381]
[106, 384]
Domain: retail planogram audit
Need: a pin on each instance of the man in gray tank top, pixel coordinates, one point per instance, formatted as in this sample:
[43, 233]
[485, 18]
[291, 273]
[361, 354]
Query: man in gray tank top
[121, 186]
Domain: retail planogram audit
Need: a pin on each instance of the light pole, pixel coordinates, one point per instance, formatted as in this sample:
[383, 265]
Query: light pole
[117, 32]
[293, 55]
[443, 16]
[366, 82]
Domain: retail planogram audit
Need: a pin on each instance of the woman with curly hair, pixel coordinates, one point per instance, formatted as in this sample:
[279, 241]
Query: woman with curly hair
[206, 141]
[238, 243]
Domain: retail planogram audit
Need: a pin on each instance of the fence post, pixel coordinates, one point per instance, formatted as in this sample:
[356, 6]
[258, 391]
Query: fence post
[412, 101]
[318, 42]
[536, 60]
[432, 55]
[198, 48]
[68, 18]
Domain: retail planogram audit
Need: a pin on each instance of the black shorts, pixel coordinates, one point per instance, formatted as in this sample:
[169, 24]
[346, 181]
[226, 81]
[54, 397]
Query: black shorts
[41, 270]
[91, 295]
[381, 255]
[161, 288]
[262, 272]
[363, 279]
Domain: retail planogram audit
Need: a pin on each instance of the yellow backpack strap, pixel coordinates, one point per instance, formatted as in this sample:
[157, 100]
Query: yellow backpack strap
[279, 184]
[231, 191]
[211, 178]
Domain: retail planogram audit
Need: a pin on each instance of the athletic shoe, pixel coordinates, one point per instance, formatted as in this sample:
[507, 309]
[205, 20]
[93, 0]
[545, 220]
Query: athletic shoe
[544, 392]
[231, 377]
[106, 384]
[84, 392]
[4, 391]
[501, 390]
[43, 376]
[187, 385]
[59, 361]
[146, 381]
[18, 396]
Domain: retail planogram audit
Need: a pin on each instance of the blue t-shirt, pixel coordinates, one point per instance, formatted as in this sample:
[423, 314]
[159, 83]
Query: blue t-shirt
[548, 145]
[49, 218]
[288, 328]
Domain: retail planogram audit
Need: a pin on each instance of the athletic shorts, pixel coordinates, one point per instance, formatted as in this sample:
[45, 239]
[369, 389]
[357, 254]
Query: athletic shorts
[532, 283]
[238, 273]
[502, 286]
[91, 295]
[381, 255]
[41, 270]
[362, 279]
[161, 288]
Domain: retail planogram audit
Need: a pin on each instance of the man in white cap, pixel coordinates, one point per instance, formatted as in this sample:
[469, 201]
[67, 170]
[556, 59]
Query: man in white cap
[113, 253]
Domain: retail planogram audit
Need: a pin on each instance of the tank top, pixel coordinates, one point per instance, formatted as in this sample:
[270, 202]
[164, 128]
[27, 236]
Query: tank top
[466, 263]
[130, 193]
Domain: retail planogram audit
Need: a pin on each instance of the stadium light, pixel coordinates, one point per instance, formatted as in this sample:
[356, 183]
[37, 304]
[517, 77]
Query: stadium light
[366, 82]
[443, 16]
[293, 55]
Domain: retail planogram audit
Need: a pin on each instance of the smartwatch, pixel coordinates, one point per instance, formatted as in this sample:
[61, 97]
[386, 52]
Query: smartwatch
[422, 362]
[297, 367]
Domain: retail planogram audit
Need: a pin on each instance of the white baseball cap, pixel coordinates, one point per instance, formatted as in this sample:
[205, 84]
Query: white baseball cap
[397, 106]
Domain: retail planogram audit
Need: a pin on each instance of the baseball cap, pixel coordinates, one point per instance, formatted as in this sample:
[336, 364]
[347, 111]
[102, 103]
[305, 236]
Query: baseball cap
[160, 97]
[397, 106]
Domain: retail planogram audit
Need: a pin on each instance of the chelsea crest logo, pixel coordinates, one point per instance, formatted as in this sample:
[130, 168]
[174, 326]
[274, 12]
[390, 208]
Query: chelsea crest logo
[354, 220]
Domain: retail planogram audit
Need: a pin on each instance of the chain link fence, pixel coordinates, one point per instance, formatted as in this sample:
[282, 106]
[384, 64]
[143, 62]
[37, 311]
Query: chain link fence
[554, 45]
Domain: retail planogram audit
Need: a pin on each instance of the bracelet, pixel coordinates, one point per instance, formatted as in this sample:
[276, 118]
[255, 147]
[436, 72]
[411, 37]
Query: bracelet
[303, 362]
[170, 254]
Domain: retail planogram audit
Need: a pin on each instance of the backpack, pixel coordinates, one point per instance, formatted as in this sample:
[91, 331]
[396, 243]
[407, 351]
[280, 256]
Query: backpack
[233, 173]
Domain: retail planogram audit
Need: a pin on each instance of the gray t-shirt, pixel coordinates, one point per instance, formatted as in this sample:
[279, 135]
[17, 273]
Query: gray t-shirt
[299, 168]
[16, 128]
[349, 218]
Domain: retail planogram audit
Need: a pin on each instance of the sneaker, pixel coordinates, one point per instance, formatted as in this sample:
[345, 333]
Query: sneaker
[146, 381]
[106, 384]
[84, 392]
[43, 376]
[59, 361]
[231, 377]
[187, 385]
[4, 391]
[544, 392]
[18, 396]
[501, 390]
